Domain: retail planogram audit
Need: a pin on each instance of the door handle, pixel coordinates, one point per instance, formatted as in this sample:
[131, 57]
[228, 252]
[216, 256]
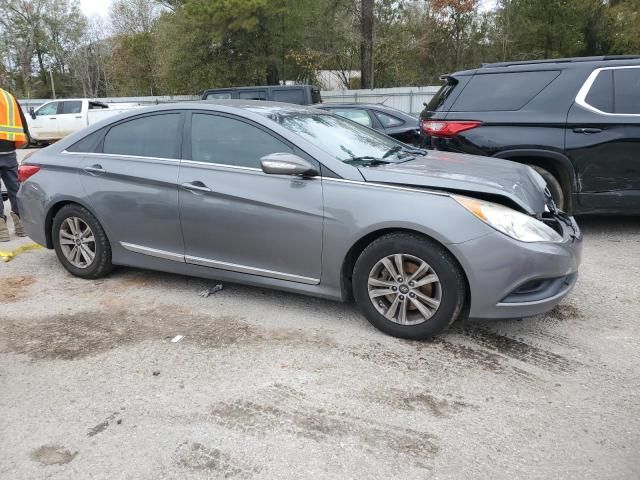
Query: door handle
[52, 118]
[196, 187]
[587, 131]
[78, 116]
[95, 170]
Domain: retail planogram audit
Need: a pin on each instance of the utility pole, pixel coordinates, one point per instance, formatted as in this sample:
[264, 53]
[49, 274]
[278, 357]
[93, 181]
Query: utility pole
[366, 43]
[53, 85]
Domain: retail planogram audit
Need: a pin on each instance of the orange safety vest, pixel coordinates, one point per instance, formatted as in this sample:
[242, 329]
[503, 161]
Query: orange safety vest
[11, 128]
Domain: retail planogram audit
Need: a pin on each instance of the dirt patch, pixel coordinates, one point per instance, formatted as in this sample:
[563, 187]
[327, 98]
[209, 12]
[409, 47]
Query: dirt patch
[196, 456]
[13, 289]
[80, 334]
[52, 455]
[565, 312]
[520, 350]
[323, 426]
[422, 401]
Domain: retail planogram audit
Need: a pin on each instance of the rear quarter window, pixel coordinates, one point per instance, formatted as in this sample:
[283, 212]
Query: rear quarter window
[289, 96]
[502, 91]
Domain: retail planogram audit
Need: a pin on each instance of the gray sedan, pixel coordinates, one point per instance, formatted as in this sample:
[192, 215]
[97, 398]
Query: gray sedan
[294, 198]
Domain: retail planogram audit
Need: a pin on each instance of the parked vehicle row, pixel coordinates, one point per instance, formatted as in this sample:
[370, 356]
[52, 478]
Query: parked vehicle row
[314, 204]
[576, 121]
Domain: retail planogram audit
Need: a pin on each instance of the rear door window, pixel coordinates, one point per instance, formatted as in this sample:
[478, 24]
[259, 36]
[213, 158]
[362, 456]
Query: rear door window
[149, 136]
[219, 96]
[71, 107]
[626, 83]
[600, 94]
[290, 95]
[252, 94]
[502, 91]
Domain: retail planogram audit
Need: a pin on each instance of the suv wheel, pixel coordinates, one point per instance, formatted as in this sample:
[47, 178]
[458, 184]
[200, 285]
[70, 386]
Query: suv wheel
[408, 286]
[81, 243]
[554, 186]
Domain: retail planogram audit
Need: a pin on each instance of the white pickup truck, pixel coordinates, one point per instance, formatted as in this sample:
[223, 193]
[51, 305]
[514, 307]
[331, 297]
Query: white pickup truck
[59, 118]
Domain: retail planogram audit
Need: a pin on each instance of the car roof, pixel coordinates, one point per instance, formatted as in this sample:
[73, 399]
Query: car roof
[256, 106]
[215, 89]
[554, 63]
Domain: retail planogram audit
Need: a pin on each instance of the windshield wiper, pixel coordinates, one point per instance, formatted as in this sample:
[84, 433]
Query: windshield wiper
[365, 161]
[404, 149]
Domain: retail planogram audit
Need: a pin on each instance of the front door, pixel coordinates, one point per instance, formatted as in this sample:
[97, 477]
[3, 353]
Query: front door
[45, 125]
[237, 218]
[603, 139]
[131, 184]
[70, 118]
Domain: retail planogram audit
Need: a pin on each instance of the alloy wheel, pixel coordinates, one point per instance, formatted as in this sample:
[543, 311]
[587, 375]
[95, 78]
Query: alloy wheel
[404, 289]
[77, 242]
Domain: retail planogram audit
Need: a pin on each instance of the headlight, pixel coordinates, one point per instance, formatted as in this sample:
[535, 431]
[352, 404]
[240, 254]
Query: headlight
[506, 220]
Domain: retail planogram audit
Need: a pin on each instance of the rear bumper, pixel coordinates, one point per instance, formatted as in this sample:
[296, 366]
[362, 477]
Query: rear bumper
[512, 279]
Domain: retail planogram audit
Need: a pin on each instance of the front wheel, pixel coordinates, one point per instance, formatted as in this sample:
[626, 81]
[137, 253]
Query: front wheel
[81, 243]
[408, 286]
[554, 187]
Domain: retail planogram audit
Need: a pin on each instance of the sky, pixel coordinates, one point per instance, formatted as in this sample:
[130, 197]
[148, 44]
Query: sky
[95, 7]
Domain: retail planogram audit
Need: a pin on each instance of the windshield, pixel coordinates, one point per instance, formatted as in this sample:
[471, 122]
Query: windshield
[346, 141]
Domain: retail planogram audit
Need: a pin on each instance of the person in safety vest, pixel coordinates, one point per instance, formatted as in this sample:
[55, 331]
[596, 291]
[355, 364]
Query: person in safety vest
[14, 133]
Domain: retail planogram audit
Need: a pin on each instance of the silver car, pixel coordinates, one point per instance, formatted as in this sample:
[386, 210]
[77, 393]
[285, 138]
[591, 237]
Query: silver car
[294, 198]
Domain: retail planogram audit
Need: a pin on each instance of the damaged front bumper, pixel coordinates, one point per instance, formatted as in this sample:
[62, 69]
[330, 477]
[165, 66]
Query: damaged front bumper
[513, 279]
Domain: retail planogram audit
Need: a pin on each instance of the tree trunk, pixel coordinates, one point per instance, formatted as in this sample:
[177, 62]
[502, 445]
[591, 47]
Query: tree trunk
[366, 44]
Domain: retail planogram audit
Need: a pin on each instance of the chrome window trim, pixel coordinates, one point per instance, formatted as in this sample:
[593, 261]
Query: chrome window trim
[205, 262]
[153, 252]
[586, 86]
[119, 155]
[221, 165]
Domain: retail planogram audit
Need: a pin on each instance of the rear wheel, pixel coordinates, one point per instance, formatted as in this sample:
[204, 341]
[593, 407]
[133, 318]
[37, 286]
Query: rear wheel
[408, 286]
[554, 186]
[81, 243]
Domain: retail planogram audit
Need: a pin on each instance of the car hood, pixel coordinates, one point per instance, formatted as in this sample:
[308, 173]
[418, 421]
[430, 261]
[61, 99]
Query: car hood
[484, 177]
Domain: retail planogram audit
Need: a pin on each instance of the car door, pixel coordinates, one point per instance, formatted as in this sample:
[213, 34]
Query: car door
[131, 183]
[45, 124]
[234, 216]
[603, 139]
[70, 117]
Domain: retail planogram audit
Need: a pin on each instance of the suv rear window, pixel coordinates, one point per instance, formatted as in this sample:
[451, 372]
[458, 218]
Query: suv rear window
[439, 98]
[502, 91]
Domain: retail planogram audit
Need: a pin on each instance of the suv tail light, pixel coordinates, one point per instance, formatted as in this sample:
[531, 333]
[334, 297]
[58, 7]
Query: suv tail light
[27, 171]
[447, 128]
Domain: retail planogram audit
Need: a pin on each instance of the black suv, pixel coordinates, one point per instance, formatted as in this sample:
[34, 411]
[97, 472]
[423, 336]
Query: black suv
[575, 120]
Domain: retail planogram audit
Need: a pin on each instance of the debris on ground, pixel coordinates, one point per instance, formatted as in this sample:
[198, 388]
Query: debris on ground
[8, 256]
[211, 290]
[177, 338]
[156, 373]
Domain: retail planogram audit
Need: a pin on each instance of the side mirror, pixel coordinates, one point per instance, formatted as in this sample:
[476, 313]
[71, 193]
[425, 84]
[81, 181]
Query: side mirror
[32, 112]
[287, 164]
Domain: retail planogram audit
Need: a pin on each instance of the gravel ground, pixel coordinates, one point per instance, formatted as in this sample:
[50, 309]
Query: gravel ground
[272, 385]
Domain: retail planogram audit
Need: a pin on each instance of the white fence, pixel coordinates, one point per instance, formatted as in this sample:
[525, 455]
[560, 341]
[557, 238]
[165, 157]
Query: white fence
[407, 99]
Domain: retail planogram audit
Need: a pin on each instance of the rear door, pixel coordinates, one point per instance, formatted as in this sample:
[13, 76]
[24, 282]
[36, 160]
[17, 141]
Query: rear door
[70, 117]
[237, 218]
[130, 181]
[603, 139]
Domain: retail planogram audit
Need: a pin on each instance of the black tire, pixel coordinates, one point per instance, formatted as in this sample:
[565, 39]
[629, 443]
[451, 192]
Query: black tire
[101, 264]
[554, 187]
[452, 283]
